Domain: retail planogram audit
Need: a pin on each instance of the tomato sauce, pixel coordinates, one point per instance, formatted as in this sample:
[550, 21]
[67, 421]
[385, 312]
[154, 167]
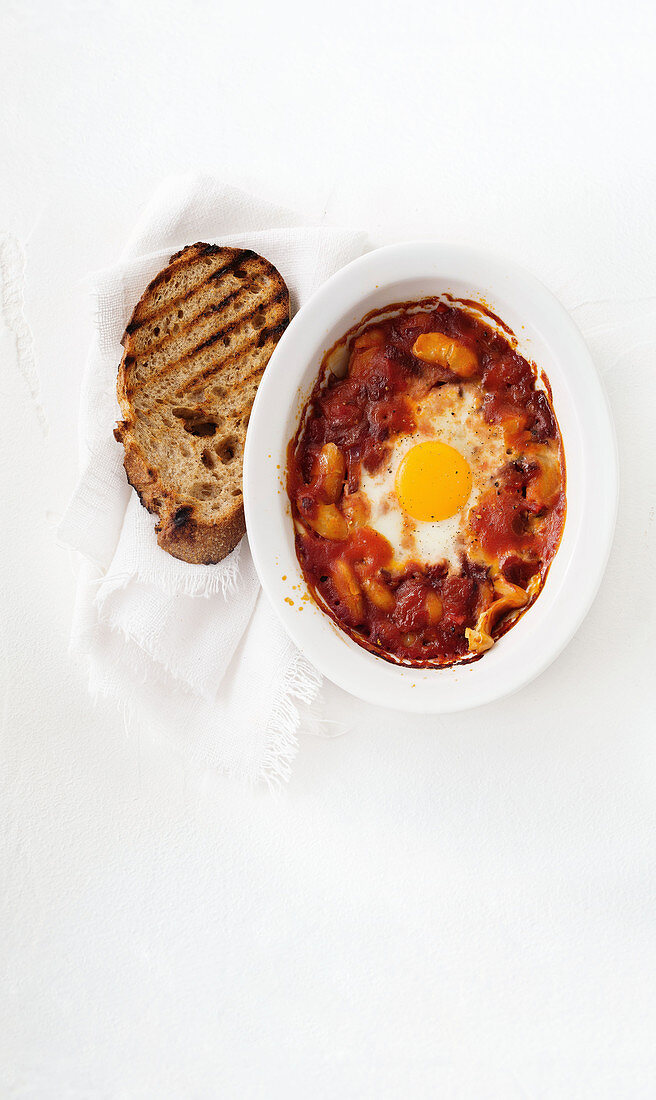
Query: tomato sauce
[421, 614]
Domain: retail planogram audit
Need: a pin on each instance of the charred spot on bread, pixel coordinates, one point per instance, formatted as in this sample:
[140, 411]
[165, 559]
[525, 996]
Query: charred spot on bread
[181, 515]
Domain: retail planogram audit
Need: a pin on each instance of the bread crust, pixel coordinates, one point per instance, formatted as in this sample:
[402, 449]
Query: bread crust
[205, 435]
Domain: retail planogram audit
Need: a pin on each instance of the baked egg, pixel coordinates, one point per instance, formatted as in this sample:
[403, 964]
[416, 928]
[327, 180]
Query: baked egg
[420, 497]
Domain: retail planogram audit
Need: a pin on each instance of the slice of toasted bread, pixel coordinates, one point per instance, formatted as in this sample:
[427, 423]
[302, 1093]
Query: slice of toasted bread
[195, 349]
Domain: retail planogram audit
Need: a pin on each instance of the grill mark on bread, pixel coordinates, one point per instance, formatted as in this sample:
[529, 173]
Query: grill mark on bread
[173, 303]
[213, 372]
[241, 320]
[200, 248]
[186, 273]
[211, 341]
[204, 378]
[273, 330]
[186, 463]
[182, 258]
[241, 384]
[158, 343]
[166, 338]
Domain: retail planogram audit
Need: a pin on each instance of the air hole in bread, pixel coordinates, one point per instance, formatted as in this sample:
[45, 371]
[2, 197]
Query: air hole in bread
[203, 428]
[156, 331]
[180, 313]
[236, 492]
[207, 458]
[202, 490]
[226, 450]
[196, 421]
[226, 341]
[259, 320]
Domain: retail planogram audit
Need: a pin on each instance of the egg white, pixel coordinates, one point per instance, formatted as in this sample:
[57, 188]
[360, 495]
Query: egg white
[450, 415]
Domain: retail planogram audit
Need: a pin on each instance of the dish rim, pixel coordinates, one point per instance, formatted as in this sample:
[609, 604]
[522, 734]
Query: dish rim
[284, 387]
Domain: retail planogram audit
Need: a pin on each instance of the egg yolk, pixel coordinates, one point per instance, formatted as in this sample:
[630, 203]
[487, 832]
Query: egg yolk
[433, 481]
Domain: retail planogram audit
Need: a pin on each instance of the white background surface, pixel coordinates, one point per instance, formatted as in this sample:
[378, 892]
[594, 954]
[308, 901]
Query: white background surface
[460, 907]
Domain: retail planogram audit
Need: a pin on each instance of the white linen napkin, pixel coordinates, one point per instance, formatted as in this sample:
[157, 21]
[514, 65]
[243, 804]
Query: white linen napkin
[192, 653]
